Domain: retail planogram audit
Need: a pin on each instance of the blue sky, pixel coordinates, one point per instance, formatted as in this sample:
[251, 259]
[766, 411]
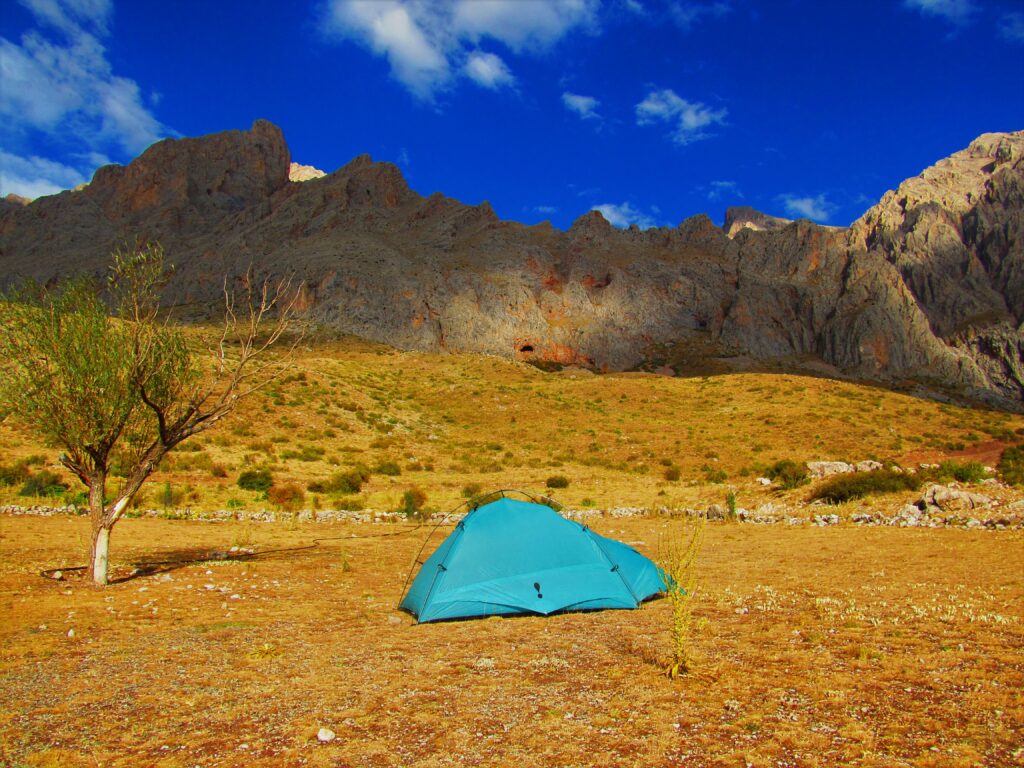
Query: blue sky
[650, 111]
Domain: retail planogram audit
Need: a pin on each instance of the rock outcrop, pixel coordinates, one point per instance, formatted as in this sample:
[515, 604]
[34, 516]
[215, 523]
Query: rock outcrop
[926, 288]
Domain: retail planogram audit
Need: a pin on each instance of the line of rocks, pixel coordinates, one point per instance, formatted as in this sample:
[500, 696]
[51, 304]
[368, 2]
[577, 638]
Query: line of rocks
[939, 507]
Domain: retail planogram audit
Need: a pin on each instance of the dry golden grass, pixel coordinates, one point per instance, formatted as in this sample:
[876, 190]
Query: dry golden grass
[456, 420]
[819, 647]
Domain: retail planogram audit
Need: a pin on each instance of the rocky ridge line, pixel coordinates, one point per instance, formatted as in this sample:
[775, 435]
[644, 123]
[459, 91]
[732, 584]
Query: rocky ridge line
[927, 288]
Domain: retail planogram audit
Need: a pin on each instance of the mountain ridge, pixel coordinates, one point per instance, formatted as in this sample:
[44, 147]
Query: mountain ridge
[926, 287]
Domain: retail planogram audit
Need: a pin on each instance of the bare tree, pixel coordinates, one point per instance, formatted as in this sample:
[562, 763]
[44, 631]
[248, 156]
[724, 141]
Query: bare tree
[122, 381]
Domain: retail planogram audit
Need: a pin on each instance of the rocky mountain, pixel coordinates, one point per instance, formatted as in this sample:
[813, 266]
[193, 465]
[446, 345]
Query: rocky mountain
[926, 288]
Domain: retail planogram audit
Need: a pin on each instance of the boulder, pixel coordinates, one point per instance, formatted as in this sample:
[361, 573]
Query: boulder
[952, 499]
[827, 468]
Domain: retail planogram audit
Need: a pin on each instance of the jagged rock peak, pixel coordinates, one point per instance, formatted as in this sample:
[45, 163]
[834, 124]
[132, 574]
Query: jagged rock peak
[955, 183]
[222, 172]
[591, 223]
[298, 172]
[744, 217]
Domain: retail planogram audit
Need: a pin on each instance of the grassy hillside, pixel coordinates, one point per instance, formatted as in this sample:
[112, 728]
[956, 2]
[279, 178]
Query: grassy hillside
[445, 423]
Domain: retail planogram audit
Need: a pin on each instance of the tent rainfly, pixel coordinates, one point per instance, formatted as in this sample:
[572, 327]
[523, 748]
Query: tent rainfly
[516, 557]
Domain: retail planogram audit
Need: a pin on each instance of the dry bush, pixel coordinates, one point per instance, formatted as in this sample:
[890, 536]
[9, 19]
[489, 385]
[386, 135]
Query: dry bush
[677, 559]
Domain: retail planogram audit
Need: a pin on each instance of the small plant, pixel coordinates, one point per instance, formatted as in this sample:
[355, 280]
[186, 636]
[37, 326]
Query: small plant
[1011, 465]
[677, 559]
[730, 505]
[255, 480]
[673, 473]
[557, 481]
[843, 488]
[413, 501]
[235, 504]
[788, 474]
[471, 490]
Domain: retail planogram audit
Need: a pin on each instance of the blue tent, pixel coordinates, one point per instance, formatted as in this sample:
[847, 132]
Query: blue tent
[512, 556]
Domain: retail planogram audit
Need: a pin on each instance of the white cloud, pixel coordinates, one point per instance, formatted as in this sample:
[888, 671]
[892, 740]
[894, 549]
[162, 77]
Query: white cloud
[624, 214]
[690, 118]
[34, 177]
[389, 29]
[1011, 27]
[545, 209]
[816, 208]
[956, 12]
[428, 43]
[71, 16]
[488, 70]
[584, 106]
[721, 189]
[522, 25]
[59, 84]
[688, 14]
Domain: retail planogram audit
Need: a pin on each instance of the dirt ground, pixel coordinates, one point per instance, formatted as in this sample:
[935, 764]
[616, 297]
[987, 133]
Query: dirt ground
[817, 647]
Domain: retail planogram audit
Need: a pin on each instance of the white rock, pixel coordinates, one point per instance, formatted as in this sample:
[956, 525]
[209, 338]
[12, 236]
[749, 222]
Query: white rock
[71, 633]
[326, 735]
[827, 468]
[867, 466]
[763, 481]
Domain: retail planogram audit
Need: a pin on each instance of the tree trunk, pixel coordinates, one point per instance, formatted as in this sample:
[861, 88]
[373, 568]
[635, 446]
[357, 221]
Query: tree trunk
[99, 555]
[100, 548]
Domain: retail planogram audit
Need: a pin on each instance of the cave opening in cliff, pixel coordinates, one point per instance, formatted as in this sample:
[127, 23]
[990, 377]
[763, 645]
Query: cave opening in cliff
[526, 348]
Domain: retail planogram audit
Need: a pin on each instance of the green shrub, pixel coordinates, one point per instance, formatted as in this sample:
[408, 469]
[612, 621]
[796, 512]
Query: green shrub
[1011, 465]
[842, 488]
[413, 501]
[14, 474]
[43, 483]
[305, 453]
[349, 481]
[255, 480]
[351, 504]
[471, 490]
[389, 468]
[716, 476]
[971, 472]
[557, 481]
[788, 474]
[673, 473]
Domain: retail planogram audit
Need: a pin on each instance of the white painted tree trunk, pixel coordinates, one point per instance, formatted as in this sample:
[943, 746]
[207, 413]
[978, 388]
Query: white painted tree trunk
[100, 556]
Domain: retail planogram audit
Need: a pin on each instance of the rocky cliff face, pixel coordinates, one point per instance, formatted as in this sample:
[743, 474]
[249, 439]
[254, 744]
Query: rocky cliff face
[927, 287]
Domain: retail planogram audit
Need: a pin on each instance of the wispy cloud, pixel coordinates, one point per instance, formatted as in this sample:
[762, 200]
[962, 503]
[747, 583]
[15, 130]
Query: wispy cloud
[34, 177]
[584, 106]
[488, 70]
[956, 12]
[720, 189]
[624, 214]
[430, 44]
[1011, 27]
[59, 84]
[545, 209]
[686, 14]
[817, 208]
[690, 118]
